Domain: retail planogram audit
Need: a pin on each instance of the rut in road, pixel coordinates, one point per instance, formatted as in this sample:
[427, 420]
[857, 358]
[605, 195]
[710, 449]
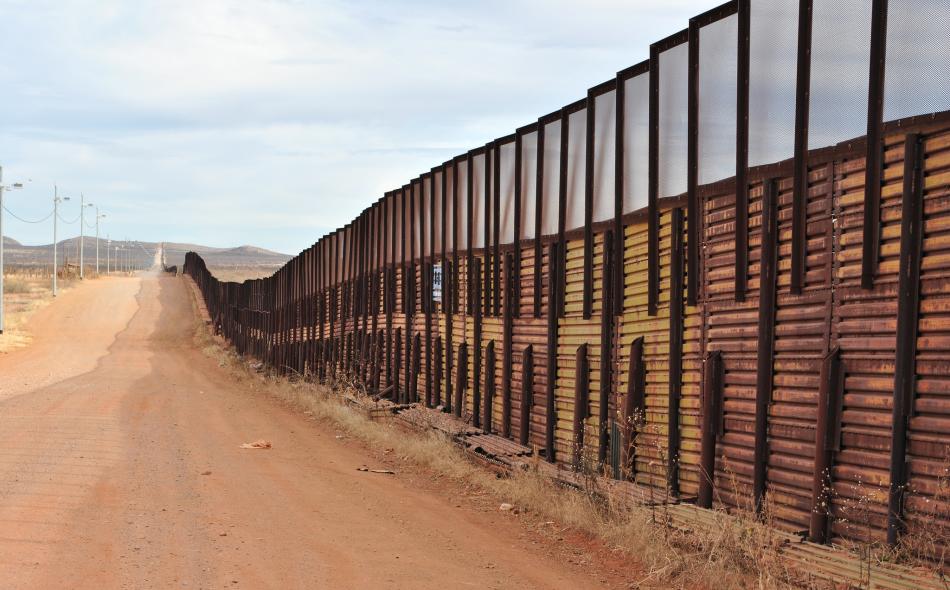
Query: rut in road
[103, 485]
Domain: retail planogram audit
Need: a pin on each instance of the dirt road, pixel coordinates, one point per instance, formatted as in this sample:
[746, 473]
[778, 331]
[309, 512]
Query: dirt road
[120, 467]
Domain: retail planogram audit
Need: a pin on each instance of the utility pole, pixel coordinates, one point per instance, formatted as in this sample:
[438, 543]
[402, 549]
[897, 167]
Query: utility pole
[1, 249]
[56, 202]
[82, 233]
[13, 186]
[98, 217]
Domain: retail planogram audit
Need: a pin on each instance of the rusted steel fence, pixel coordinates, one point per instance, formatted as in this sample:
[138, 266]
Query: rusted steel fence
[721, 274]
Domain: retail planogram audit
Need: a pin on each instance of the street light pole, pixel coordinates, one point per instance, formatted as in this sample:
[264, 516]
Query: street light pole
[82, 234]
[56, 202]
[98, 217]
[55, 215]
[1, 249]
[3, 188]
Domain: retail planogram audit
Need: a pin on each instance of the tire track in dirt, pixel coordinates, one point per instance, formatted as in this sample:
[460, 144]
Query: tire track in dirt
[131, 476]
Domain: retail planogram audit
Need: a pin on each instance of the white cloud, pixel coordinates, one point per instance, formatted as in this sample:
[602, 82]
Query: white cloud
[269, 122]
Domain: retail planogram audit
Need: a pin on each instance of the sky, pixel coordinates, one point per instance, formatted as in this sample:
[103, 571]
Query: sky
[272, 122]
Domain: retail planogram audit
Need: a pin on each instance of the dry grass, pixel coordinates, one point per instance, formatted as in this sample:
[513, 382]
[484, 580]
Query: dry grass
[24, 294]
[739, 552]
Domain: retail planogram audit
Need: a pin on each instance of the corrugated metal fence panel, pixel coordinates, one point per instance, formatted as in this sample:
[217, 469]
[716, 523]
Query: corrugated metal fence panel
[573, 331]
[928, 501]
[802, 332]
[731, 327]
[531, 331]
[651, 440]
[864, 327]
[691, 403]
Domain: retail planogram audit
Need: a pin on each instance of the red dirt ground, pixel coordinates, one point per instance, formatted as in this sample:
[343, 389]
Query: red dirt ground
[121, 468]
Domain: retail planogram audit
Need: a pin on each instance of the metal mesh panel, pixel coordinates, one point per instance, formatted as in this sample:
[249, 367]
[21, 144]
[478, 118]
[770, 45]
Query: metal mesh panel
[636, 142]
[425, 206]
[552, 157]
[417, 189]
[342, 242]
[773, 42]
[605, 148]
[576, 154]
[389, 229]
[673, 120]
[399, 215]
[436, 209]
[478, 200]
[718, 76]
[529, 164]
[462, 212]
[506, 216]
[917, 63]
[449, 210]
[840, 58]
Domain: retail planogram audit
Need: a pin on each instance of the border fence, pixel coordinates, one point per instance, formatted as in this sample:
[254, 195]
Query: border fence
[724, 273]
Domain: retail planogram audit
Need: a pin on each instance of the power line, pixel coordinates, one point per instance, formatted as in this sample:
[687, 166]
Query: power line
[15, 216]
[60, 217]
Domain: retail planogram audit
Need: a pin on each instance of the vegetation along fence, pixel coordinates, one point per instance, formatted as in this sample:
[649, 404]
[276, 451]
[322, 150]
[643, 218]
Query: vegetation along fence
[724, 273]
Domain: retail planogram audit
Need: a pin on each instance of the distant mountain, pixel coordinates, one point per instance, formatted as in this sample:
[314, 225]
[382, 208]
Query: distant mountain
[243, 256]
[141, 253]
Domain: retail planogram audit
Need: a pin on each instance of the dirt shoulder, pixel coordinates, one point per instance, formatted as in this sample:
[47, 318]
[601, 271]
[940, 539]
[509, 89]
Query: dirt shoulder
[131, 475]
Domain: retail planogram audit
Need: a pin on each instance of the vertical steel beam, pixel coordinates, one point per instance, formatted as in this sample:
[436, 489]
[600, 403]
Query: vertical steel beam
[455, 236]
[768, 285]
[742, 152]
[496, 234]
[692, 162]
[561, 267]
[619, 245]
[653, 185]
[633, 405]
[676, 350]
[470, 285]
[477, 346]
[581, 402]
[827, 441]
[908, 312]
[487, 196]
[538, 217]
[507, 336]
[874, 161]
[437, 374]
[527, 393]
[490, 378]
[550, 415]
[606, 348]
[461, 379]
[519, 230]
[588, 298]
[800, 174]
[711, 427]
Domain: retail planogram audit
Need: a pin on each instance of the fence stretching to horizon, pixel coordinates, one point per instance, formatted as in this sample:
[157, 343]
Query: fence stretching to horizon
[724, 273]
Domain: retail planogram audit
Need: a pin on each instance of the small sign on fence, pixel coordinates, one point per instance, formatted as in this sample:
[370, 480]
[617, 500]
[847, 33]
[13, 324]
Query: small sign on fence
[437, 282]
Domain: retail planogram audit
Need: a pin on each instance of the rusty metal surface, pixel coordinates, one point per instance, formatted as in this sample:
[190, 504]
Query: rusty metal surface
[358, 307]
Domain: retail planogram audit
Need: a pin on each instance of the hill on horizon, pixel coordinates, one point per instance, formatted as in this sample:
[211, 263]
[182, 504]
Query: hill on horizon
[143, 253]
